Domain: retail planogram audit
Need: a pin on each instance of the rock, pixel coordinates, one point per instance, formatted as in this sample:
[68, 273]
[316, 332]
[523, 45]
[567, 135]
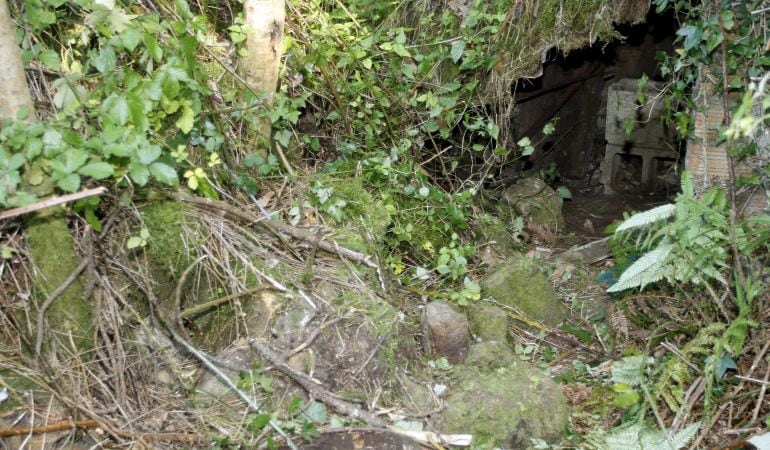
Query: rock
[416, 395]
[519, 284]
[446, 332]
[488, 323]
[534, 200]
[504, 402]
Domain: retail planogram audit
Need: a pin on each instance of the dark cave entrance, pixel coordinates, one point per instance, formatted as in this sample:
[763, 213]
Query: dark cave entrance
[592, 96]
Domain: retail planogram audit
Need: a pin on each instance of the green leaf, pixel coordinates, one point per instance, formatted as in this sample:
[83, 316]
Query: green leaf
[130, 37]
[69, 183]
[50, 59]
[115, 108]
[563, 193]
[137, 112]
[259, 422]
[105, 60]
[97, 170]
[140, 174]
[147, 154]
[186, 120]
[74, 158]
[134, 242]
[457, 50]
[164, 173]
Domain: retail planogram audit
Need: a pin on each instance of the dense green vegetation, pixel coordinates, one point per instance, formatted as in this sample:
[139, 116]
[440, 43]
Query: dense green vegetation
[389, 123]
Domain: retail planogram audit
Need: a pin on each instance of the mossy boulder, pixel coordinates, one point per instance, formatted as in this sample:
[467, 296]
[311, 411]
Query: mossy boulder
[52, 250]
[520, 284]
[534, 200]
[504, 402]
[487, 322]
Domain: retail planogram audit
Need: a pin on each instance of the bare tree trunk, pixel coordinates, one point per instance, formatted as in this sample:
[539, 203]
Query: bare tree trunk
[262, 64]
[264, 44]
[15, 96]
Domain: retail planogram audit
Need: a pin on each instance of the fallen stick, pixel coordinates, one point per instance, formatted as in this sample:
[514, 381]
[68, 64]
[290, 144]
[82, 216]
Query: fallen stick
[93, 424]
[329, 399]
[52, 201]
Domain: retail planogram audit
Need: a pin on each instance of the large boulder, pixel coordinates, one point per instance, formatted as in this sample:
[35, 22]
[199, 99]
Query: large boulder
[504, 402]
[534, 200]
[520, 284]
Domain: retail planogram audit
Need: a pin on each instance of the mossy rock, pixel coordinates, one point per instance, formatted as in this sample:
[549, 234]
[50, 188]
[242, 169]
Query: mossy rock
[533, 199]
[52, 250]
[503, 402]
[488, 323]
[520, 284]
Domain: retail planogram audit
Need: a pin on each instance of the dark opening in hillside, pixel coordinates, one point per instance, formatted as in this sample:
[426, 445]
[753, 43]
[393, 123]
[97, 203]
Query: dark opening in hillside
[591, 97]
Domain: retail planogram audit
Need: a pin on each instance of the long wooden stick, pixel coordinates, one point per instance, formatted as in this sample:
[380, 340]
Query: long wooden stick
[53, 201]
[93, 424]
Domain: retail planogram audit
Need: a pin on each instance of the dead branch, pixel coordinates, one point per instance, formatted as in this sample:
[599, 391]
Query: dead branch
[53, 201]
[277, 227]
[93, 424]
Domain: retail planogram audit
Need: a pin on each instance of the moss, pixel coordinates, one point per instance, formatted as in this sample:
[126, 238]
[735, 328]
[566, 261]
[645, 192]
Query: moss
[488, 323]
[376, 314]
[52, 250]
[166, 221]
[520, 284]
[504, 403]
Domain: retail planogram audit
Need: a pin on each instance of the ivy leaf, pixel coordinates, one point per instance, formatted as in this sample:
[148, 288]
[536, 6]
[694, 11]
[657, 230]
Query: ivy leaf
[97, 170]
[74, 158]
[186, 120]
[164, 173]
[148, 154]
[115, 107]
[105, 60]
[69, 183]
[457, 50]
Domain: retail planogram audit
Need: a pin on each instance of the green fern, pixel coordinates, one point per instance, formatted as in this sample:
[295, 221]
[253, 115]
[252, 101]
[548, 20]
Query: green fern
[649, 268]
[640, 436]
[647, 217]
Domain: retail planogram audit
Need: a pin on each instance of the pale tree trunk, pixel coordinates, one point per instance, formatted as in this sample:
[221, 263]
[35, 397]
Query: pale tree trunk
[15, 95]
[51, 246]
[264, 48]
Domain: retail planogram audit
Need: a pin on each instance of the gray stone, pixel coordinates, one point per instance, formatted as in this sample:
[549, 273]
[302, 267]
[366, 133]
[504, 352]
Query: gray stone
[446, 332]
[533, 199]
[520, 284]
[290, 325]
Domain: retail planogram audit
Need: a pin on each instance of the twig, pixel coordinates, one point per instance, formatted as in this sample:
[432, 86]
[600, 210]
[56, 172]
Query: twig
[53, 201]
[229, 383]
[309, 341]
[197, 309]
[93, 424]
[314, 389]
[276, 227]
[761, 396]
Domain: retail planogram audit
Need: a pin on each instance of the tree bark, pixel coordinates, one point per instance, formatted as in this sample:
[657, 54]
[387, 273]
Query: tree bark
[16, 96]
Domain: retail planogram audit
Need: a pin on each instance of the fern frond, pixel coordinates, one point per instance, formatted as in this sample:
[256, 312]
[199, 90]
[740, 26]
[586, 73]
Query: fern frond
[649, 268]
[631, 370]
[647, 217]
